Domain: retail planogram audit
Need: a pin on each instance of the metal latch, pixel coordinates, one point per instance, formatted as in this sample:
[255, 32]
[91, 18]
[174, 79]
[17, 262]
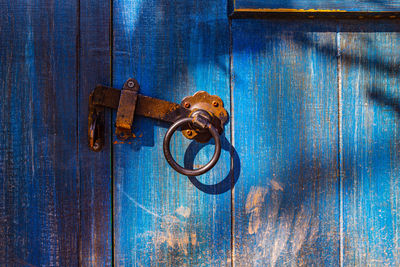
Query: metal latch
[200, 117]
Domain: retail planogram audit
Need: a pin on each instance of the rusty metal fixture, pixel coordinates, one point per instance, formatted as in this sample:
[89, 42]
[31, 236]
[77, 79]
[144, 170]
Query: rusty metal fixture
[206, 114]
[219, 116]
[126, 109]
[200, 119]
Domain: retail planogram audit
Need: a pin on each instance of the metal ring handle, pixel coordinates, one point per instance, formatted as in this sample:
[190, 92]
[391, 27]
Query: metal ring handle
[176, 166]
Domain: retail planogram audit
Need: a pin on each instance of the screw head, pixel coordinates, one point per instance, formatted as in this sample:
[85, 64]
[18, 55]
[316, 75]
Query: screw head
[96, 146]
[186, 105]
[215, 103]
[189, 133]
[131, 84]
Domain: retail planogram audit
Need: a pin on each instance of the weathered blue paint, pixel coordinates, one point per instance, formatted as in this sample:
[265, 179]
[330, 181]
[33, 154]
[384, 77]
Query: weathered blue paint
[314, 119]
[173, 49]
[317, 5]
[55, 207]
[286, 202]
[39, 211]
[370, 155]
[95, 200]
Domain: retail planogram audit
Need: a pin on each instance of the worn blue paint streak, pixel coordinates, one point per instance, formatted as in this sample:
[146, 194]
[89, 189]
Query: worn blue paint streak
[38, 207]
[371, 145]
[95, 168]
[286, 202]
[161, 218]
[345, 5]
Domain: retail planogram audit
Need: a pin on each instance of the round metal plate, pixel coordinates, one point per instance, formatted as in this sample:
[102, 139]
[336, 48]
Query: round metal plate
[212, 104]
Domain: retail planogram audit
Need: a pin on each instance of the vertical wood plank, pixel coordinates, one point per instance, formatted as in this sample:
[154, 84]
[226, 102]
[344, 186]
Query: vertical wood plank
[38, 158]
[371, 145]
[286, 201]
[95, 167]
[173, 49]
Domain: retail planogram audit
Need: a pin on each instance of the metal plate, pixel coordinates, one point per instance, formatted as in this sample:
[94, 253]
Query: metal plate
[210, 103]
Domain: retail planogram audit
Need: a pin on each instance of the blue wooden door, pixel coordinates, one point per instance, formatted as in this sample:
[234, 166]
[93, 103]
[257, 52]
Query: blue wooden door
[311, 145]
[309, 173]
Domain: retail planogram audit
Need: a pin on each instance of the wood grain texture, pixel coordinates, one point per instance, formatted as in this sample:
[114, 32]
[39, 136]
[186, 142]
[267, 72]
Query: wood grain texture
[38, 161]
[95, 167]
[370, 146]
[286, 201]
[318, 5]
[173, 49]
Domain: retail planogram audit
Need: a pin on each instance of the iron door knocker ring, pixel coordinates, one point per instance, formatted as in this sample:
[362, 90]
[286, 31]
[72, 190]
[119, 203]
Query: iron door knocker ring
[199, 119]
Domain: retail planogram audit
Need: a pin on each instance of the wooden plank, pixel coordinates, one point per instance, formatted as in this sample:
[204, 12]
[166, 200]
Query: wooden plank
[315, 6]
[173, 49]
[38, 158]
[371, 145]
[286, 201]
[95, 168]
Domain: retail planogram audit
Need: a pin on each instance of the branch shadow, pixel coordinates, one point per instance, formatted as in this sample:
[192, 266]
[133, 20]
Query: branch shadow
[382, 98]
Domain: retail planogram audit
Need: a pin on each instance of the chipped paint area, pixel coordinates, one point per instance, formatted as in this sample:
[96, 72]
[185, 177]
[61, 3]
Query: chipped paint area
[172, 236]
[173, 233]
[183, 211]
[173, 229]
[254, 202]
[275, 231]
[276, 186]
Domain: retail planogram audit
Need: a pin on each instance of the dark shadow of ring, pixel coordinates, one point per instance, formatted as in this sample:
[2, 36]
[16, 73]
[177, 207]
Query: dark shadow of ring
[231, 178]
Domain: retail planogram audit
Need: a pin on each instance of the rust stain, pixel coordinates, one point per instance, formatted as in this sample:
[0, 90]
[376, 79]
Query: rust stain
[116, 142]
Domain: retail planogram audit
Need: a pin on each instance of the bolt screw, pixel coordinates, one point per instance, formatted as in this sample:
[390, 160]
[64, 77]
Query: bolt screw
[96, 146]
[189, 133]
[215, 103]
[131, 84]
[187, 105]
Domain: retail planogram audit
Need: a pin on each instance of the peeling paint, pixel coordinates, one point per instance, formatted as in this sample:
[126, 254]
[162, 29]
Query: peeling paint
[276, 186]
[276, 232]
[254, 202]
[174, 232]
[183, 211]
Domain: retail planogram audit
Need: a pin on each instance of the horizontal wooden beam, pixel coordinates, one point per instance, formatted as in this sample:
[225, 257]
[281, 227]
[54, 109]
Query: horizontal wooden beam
[330, 8]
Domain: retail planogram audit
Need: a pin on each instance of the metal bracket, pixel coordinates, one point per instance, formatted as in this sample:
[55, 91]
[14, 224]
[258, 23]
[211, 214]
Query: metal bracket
[126, 109]
[130, 103]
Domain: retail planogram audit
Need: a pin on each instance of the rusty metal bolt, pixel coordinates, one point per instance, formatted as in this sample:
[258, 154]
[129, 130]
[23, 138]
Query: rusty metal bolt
[189, 133]
[215, 103]
[131, 84]
[186, 105]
